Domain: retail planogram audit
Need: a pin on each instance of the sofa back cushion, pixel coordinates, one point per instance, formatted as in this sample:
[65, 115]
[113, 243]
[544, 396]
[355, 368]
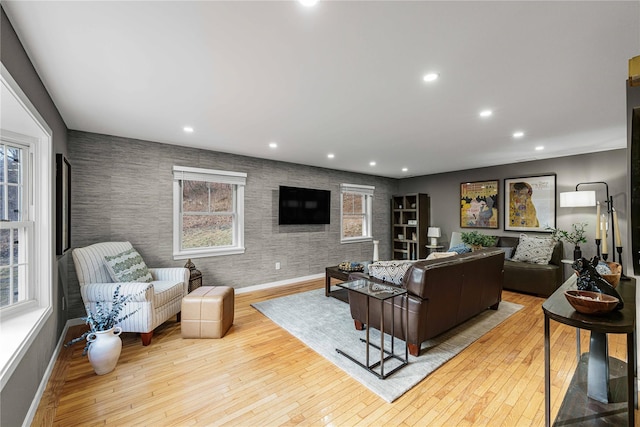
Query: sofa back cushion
[89, 261]
[425, 277]
[456, 239]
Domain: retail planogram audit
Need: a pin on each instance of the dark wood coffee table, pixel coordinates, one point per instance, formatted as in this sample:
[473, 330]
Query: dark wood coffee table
[335, 273]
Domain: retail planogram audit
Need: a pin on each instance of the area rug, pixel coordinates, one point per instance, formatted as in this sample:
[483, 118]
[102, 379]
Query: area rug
[325, 324]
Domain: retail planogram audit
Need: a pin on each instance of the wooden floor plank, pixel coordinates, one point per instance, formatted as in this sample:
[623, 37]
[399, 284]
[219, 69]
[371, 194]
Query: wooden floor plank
[259, 374]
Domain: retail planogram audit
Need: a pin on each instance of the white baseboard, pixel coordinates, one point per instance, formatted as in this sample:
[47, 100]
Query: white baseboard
[47, 374]
[279, 283]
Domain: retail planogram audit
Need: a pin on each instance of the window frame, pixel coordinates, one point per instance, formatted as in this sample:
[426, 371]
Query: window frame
[366, 191]
[21, 323]
[25, 225]
[238, 180]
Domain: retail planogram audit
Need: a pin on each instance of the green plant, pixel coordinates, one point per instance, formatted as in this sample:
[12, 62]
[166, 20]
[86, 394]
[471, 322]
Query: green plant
[474, 238]
[575, 237]
[106, 316]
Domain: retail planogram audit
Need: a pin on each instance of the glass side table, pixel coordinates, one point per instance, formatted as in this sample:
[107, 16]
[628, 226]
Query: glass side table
[379, 293]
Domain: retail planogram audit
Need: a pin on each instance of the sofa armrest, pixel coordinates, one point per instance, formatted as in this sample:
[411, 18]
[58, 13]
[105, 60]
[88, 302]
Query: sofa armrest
[558, 254]
[103, 292]
[177, 274]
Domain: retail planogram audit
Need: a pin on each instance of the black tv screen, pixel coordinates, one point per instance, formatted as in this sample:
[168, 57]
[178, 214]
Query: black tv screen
[304, 206]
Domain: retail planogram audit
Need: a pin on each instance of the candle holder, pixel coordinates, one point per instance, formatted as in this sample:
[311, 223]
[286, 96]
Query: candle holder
[598, 247]
[622, 275]
[605, 256]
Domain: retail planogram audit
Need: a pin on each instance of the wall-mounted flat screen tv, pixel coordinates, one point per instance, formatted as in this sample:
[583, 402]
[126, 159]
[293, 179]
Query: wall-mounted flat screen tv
[304, 206]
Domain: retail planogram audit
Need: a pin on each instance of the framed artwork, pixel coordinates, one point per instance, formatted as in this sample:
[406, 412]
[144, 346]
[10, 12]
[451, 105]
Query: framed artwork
[63, 204]
[479, 204]
[530, 203]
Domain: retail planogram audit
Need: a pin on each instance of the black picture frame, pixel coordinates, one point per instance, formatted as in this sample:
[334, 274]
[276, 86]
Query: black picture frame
[479, 206]
[535, 208]
[63, 204]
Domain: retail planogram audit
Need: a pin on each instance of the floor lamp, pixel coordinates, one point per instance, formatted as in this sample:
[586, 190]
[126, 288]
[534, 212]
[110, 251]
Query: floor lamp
[588, 198]
[598, 367]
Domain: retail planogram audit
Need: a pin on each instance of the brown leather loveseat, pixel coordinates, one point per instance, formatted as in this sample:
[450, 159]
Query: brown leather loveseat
[441, 293]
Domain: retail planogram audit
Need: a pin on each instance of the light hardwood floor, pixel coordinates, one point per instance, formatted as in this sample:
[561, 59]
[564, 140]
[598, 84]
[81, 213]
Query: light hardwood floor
[260, 375]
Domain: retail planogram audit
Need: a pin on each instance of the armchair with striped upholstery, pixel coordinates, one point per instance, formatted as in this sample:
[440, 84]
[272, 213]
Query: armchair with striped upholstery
[156, 301]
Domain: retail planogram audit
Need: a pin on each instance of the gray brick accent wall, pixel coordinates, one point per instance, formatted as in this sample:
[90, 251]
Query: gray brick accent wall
[122, 190]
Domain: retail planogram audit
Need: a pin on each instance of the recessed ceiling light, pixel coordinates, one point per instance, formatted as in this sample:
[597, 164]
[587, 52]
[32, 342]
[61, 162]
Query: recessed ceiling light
[518, 134]
[308, 3]
[486, 113]
[331, 155]
[539, 148]
[187, 129]
[372, 163]
[273, 145]
[405, 169]
[430, 77]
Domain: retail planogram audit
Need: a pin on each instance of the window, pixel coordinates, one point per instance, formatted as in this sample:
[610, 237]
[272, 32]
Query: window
[16, 225]
[208, 207]
[356, 211]
[26, 218]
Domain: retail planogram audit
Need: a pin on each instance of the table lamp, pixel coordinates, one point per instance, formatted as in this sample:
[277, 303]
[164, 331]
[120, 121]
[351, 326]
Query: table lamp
[433, 233]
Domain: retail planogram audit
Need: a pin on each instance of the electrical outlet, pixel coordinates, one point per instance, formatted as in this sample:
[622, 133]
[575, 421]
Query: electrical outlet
[277, 266]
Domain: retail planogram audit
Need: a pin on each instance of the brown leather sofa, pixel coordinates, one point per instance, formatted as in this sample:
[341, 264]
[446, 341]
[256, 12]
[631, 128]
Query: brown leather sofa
[441, 293]
[537, 279]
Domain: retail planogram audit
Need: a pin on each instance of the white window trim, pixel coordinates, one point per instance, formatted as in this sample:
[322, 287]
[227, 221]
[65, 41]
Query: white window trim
[26, 287]
[367, 191]
[210, 175]
[20, 324]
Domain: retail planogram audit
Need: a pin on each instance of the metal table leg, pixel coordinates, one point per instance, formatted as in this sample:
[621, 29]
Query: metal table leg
[547, 374]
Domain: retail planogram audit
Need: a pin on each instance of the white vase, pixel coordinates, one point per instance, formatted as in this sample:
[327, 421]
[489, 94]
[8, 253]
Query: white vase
[104, 349]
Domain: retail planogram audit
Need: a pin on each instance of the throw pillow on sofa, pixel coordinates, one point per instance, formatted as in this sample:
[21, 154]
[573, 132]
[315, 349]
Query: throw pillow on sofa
[460, 249]
[439, 255]
[127, 266]
[534, 250]
[390, 271]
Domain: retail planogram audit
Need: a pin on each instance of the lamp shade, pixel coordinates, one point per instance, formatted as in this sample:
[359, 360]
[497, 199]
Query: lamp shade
[433, 232]
[574, 199]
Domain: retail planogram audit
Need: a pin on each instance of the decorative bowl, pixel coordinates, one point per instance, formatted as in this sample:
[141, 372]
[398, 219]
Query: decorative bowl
[587, 302]
[351, 266]
[614, 277]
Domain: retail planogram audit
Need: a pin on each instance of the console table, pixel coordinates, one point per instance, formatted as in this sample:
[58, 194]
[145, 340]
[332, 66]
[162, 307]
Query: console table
[592, 379]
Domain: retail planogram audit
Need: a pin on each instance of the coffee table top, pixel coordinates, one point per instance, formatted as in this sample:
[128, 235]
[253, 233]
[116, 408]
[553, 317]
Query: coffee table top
[373, 289]
[365, 264]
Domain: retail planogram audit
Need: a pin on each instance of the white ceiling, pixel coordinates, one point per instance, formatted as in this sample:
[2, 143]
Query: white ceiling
[344, 77]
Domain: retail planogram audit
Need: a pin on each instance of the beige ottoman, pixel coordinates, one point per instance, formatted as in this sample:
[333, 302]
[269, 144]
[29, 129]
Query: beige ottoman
[207, 312]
